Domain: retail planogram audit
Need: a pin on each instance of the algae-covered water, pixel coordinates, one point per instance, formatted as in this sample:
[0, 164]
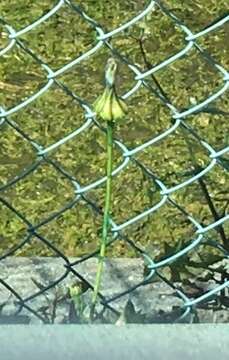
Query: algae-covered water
[54, 115]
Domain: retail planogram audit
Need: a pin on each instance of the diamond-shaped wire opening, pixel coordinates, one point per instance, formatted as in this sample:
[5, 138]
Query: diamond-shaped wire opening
[162, 158]
[215, 43]
[211, 123]
[75, 232]
[142, 45]
[206, 198]
[189, 80]
[46, 39]
[22, 77]
[40, 193]
[48, 127]
[17, 155]
[13, 231]
[24, 13]
[147, 119]
[86, 79]
[84, 157]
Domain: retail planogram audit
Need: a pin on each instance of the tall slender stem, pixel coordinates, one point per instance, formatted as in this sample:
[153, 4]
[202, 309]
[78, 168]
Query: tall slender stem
[106, 216]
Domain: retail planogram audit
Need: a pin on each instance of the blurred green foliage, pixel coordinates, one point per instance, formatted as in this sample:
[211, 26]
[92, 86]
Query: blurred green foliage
[191, 79]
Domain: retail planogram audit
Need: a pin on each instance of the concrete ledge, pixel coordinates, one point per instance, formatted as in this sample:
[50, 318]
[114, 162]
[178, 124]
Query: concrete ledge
[158, 301]
[158, 342]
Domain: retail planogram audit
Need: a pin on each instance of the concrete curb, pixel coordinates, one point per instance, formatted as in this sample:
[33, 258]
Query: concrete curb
[158, 342]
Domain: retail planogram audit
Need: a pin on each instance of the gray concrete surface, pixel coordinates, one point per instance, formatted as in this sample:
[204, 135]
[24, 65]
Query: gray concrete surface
[133, 342]
[157, 299]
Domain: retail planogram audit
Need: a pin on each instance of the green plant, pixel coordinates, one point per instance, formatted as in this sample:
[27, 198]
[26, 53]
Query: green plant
[110, 108]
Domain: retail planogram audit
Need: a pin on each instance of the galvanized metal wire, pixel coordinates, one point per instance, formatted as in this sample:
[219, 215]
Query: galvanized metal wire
[178, 117]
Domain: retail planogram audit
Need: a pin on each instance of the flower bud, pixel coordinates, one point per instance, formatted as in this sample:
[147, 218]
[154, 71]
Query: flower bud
[109, 106]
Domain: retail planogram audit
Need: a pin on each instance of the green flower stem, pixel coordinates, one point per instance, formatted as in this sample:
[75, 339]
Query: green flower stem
[110, 108]
[106, 216]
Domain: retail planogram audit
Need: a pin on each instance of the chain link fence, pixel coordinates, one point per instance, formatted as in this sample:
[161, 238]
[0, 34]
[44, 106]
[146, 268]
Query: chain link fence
[174, 258]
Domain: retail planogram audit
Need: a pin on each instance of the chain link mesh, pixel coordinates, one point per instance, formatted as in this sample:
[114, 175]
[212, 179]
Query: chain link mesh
[179, 121]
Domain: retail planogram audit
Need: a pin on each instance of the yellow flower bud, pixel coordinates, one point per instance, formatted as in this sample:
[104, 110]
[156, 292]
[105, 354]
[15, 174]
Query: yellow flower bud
[109, 106]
